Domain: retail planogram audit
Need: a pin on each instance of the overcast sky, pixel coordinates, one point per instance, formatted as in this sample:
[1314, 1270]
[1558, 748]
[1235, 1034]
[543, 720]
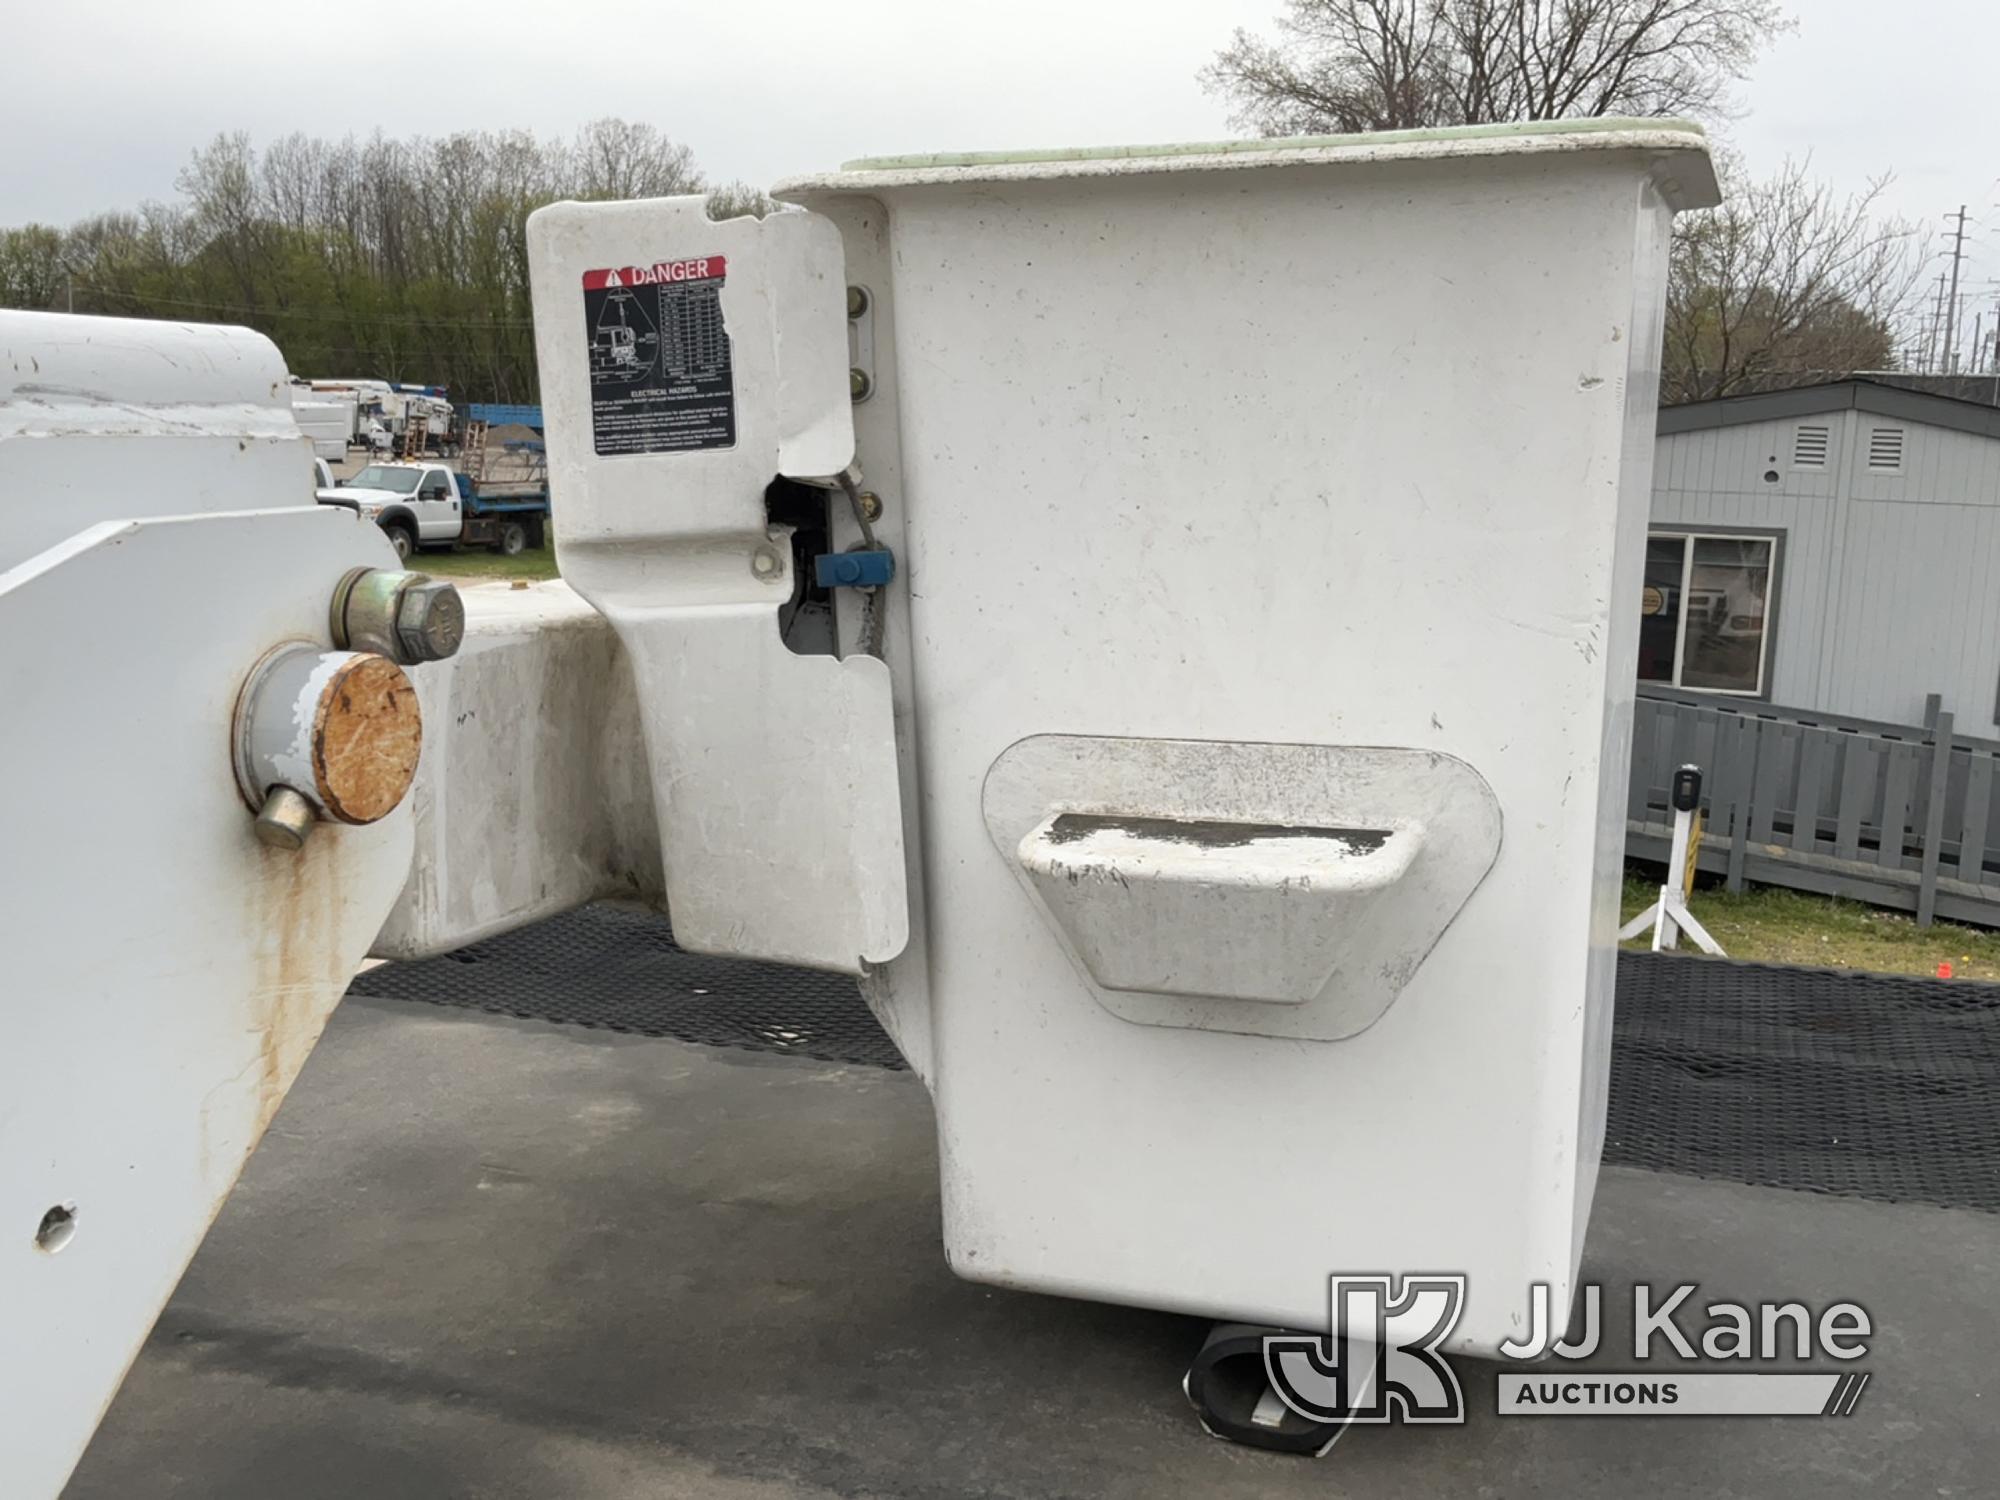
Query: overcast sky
[100, 104]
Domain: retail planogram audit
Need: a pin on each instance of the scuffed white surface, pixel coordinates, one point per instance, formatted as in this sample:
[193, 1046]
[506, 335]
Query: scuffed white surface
[774, 776]
[1676, 157]
[1290, 452]
[1177, 934]
[111, 418]
[532, 795]
[167, 973]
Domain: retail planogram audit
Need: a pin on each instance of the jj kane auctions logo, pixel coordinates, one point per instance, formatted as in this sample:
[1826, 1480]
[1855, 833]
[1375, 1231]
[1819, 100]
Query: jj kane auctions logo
[1381, 1361]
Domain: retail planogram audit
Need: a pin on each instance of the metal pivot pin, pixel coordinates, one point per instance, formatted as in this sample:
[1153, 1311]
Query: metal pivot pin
[285, 820]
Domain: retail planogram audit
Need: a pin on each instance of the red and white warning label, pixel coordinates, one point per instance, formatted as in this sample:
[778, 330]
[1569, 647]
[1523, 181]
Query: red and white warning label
[660, 377]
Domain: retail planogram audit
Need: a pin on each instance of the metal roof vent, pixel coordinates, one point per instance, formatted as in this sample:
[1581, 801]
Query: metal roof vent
[1885, 450]
[1809, 447]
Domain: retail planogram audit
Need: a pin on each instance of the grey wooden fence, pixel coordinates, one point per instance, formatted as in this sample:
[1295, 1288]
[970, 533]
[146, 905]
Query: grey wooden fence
[1902, 816]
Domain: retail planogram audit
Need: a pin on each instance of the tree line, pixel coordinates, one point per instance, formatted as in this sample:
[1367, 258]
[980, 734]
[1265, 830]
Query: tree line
[407, 259]
[395, 259]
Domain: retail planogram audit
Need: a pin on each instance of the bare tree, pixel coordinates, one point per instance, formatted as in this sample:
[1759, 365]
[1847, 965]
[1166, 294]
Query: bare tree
[403, 258]
[1785, 284]
[1360, 65]
[621, 159]
[733, 200]
[220, 181]
[1788, 283]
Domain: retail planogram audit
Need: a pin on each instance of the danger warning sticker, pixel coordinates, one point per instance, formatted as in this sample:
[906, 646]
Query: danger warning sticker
[660, 380]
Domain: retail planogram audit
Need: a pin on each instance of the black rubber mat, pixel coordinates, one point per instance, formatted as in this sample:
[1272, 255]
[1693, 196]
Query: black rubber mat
[1868, 1085]
[1872, 1085]
[619, 969]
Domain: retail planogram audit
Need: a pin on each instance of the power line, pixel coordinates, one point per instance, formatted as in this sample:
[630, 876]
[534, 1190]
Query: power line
[307, 314]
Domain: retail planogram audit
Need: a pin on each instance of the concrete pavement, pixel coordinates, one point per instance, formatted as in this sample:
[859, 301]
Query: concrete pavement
[489, 1258]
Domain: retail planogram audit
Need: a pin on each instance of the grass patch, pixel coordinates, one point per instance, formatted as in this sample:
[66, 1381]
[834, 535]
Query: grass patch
[536, 562]
[1771, 925]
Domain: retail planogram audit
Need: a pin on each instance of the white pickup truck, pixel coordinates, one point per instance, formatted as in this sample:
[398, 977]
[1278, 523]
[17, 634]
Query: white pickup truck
[425, 505]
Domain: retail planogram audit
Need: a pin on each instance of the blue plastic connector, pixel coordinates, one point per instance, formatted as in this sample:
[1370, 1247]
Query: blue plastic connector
[855, 570]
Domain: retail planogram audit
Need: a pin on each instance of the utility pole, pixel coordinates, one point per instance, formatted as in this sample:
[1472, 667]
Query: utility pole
[1995, 401]
[1934, 319]
[1987, 363]
[1951, 304]
[1934, 328]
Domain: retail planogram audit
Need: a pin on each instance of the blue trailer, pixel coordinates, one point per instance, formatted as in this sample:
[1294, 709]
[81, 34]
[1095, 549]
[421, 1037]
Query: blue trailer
[495, 414]
[508, 518]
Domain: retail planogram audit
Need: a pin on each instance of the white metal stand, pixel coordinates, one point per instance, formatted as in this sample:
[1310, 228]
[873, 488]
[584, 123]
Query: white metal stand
[1669, 916]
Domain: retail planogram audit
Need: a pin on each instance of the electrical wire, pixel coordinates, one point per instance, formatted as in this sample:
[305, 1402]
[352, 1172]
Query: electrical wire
[845, 479]
[307, 314]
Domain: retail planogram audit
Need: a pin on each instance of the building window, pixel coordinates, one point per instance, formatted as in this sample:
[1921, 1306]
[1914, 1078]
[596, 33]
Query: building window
[1702, 618]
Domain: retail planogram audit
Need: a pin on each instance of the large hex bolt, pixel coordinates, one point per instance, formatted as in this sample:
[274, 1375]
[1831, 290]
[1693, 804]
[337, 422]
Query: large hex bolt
[430, 620]
[407, 617]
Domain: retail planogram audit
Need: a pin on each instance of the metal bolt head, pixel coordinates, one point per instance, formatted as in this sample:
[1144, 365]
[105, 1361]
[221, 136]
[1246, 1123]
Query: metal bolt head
[765, 564]
[871, 506]
[430, 621]
[285, 820]
[857, 301]
[859, 385]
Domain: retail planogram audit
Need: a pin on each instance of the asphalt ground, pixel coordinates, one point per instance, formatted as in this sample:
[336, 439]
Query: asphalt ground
[480, 1256]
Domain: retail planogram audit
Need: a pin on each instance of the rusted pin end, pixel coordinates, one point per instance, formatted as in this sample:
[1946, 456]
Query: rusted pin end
[285, 820]
[341, 730]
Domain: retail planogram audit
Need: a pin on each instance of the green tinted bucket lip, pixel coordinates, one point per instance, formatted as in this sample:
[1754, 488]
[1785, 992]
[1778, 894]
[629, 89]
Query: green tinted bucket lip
[1518, 130]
